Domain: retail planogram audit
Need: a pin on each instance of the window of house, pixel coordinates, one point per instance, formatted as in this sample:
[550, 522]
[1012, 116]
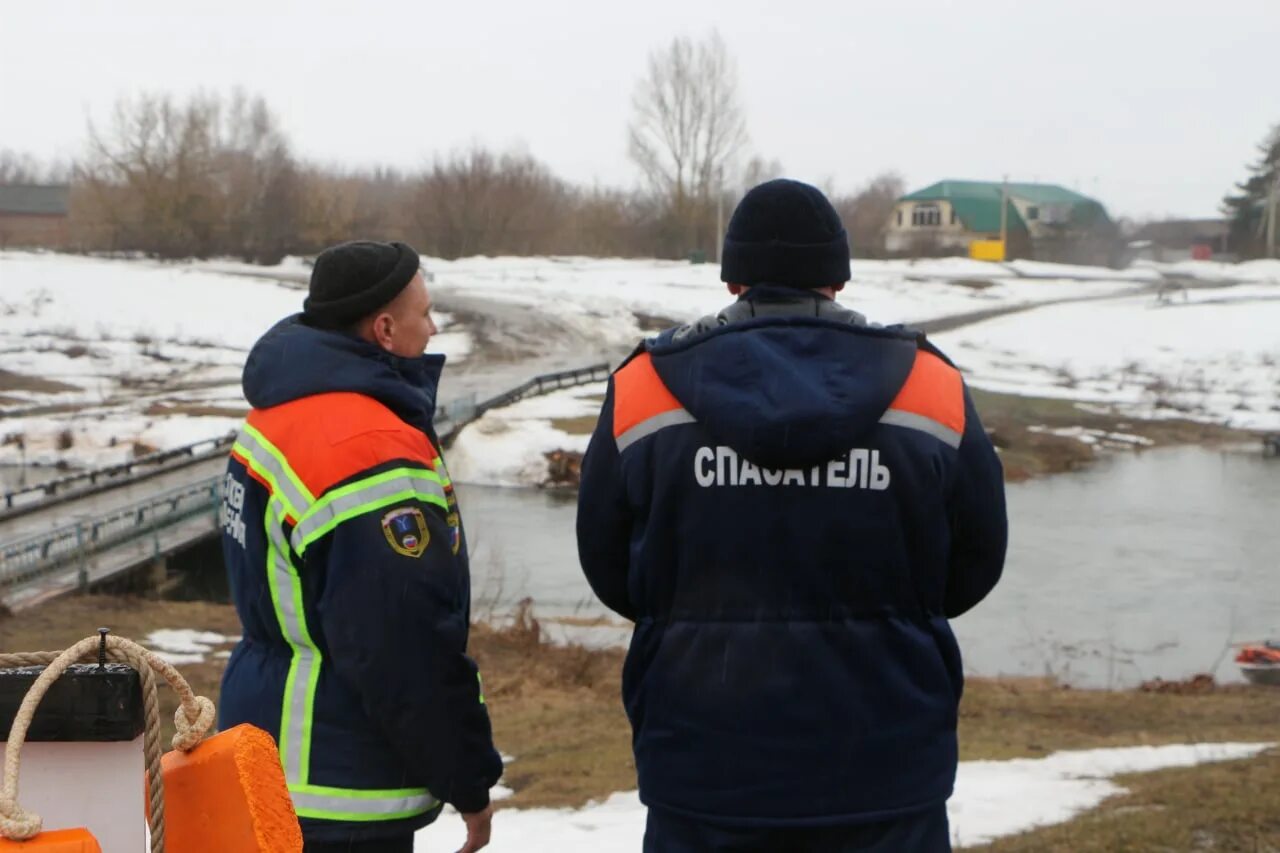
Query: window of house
[1033, 213]
[953, 216]
[926, 215]
[899, 218]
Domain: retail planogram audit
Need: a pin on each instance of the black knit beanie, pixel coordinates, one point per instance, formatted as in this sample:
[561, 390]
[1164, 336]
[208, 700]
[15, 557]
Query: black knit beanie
[352, 280]
[785, 232]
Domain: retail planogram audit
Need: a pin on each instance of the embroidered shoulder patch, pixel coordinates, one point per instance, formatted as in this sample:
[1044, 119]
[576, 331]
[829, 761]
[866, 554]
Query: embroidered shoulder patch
[406, 531]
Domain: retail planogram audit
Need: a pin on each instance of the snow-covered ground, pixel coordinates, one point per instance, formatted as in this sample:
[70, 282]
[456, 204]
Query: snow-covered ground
[1211, 354]
[992, 799]
[144, 355]
[1207, 354]
[1249, 271]
[612, 292]
[181, 646]
[148, 355]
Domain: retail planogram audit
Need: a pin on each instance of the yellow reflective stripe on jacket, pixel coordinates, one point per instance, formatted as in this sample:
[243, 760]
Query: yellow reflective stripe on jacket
[367, 495]
[324, 803]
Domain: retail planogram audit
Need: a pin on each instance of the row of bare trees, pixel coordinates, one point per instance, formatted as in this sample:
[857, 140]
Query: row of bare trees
[195, 178]
[217, 175]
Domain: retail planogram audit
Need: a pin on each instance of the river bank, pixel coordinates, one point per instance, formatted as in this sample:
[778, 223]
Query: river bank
[556, 709]
[1039, 436]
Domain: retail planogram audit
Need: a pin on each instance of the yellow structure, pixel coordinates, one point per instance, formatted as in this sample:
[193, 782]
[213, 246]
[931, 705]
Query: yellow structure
[987, 250]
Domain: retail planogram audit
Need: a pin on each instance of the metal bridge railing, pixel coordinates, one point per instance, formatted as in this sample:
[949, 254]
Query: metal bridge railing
[545, 383]
[39, 554]
[452, 417]
[41, 492]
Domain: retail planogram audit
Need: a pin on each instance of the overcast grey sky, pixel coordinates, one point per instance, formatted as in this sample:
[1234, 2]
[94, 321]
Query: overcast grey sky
[1154, 107]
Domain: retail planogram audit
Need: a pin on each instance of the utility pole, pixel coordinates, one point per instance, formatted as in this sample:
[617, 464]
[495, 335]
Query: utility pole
[1004, 218]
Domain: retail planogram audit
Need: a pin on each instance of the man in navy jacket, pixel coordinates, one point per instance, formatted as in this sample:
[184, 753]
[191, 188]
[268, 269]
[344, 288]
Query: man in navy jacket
[790, 503]
[348, 566]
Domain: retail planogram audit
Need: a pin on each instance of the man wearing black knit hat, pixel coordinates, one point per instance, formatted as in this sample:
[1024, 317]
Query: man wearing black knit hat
[348, 566]
[791, 503]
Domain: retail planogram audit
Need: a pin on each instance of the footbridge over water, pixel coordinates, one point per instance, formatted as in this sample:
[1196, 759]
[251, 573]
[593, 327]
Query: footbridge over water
[93, 526]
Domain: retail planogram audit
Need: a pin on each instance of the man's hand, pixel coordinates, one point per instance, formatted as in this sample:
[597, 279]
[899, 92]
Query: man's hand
[478, 826]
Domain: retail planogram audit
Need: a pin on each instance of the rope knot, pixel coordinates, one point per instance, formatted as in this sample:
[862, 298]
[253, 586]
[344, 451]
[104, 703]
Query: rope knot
[16, 823]
[191, 730]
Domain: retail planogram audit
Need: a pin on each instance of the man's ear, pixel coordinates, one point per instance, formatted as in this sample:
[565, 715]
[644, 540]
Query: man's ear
[736, 289]
[838, 287]
[383, 327]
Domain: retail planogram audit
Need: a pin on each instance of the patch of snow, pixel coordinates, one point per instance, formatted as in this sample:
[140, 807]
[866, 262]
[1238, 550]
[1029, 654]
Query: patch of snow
[183, 645]
[1217, 271]
[1041, 269]
[605, 635]
[999, 798]
[1088, 435]
[992, 799]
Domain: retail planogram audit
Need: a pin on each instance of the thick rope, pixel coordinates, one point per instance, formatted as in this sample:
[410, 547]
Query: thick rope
[193, 719]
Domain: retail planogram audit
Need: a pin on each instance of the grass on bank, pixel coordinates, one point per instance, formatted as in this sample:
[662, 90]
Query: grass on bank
[1026, 454]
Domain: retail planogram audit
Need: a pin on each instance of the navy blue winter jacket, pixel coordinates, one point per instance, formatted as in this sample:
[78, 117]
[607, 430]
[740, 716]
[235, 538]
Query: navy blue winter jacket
[790, 505]
[348, 568]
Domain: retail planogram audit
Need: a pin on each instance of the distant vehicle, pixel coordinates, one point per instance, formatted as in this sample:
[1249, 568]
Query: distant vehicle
[1271, 444]
[1260, 662]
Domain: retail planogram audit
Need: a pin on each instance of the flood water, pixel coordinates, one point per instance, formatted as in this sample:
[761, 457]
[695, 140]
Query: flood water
[1145, 565]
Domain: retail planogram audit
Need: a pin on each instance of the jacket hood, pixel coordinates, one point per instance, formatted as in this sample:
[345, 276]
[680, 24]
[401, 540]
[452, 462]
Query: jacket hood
[786, 391]
[294, 360]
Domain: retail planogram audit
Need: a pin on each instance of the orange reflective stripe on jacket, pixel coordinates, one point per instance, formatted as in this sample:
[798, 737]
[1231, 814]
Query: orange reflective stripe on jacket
[642, 403]
[313, 435]
[931, 400]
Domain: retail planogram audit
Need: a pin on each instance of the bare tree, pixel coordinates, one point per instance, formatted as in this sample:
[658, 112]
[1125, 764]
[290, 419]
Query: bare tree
[478, 202]
[866, 213]
[758, 170]
[150, 175]
[204, 176]
[342, 205]
[687, 131]
[258, 179]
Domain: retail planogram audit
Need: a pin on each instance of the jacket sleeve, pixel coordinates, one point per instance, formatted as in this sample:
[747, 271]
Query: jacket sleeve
[979, 525]
[396, 627]
[604, 517]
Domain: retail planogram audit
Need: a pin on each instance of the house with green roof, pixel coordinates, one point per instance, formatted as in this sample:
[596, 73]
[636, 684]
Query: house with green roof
[1044, 221]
